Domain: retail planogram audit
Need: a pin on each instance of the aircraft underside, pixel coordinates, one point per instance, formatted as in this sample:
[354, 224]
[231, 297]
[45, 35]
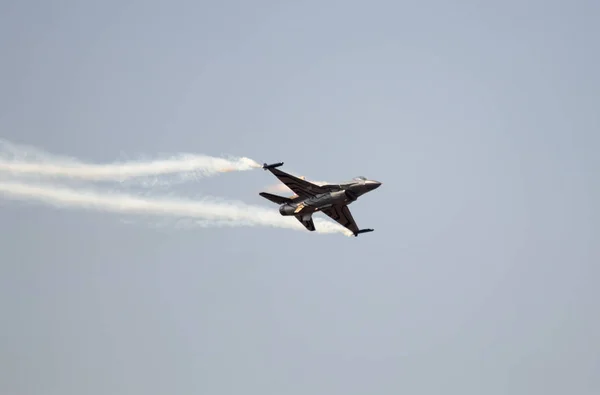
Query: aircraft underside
[314, 204]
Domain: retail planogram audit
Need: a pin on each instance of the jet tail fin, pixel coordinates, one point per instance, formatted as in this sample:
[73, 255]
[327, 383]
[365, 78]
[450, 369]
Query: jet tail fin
[307, 221]
[275, 198]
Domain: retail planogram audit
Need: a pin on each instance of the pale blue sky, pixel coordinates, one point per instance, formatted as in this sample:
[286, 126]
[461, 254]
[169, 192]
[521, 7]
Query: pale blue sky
[481, 120]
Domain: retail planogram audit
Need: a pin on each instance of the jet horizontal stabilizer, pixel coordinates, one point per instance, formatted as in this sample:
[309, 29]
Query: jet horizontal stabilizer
[275, 198]
[363, 231]
[272, 165]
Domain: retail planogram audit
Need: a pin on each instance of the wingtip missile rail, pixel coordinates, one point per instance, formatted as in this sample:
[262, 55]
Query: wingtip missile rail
[272, 165]
[363, 231]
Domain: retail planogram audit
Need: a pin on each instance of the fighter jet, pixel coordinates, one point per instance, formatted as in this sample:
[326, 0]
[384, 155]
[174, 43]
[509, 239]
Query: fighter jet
[309, 198]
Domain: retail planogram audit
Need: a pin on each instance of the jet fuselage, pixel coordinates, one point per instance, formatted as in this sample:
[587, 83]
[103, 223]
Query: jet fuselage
[314, 203]
[346, 194]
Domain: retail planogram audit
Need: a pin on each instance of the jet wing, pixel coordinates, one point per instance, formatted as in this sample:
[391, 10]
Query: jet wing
[300, 187]
[341, 214]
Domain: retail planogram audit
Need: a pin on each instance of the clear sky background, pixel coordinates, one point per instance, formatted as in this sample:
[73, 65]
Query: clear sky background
[481, 120]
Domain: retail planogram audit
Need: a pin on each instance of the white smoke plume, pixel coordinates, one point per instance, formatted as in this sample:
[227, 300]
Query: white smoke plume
[22, 161]
[28, 174]
[205, 212]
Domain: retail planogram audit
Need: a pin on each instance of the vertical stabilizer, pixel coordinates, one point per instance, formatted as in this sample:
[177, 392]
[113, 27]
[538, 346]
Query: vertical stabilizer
[307, 221]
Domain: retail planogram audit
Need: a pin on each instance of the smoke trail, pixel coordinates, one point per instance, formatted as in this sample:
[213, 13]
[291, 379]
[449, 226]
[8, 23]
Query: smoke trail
[208, 213]
[24, 161]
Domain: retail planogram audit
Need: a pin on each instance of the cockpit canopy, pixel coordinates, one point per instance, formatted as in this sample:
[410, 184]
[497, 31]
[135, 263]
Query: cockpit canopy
[358, 180]
[355, 180]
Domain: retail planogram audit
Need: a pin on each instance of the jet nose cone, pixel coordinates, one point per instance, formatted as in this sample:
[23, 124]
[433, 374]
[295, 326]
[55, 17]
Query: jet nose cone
[374, 184]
